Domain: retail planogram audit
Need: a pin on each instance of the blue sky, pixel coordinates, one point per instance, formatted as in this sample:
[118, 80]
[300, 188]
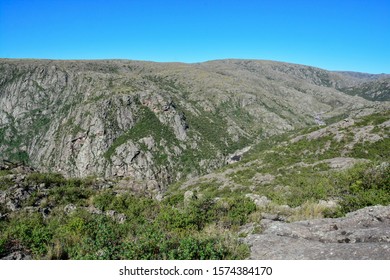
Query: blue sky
[336, 35]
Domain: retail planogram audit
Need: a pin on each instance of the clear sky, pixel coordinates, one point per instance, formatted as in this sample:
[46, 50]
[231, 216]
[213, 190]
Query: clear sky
[332, 34]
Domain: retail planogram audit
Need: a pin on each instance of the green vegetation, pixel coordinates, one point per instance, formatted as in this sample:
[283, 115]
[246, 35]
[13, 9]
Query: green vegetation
[214, 141]
[374, 119]
[12, 145]
[147, 125]
[301, 173]
[5, 182]
[151, 229]
[373, 91]
[13, 140]
[364, 185]
[243, 176]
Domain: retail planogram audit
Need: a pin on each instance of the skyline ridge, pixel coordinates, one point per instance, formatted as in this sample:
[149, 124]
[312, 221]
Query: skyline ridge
[197, 62]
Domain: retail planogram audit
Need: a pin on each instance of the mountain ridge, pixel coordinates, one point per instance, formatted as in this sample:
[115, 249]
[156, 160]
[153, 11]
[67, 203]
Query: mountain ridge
[355, 73]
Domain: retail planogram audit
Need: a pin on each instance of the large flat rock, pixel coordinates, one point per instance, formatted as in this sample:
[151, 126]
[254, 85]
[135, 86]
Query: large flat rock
[361, 235]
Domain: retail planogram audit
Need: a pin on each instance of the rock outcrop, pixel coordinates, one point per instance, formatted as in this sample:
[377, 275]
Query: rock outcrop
[363, 234]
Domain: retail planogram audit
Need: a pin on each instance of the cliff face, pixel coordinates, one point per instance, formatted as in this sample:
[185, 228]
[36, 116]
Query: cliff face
[158, 121]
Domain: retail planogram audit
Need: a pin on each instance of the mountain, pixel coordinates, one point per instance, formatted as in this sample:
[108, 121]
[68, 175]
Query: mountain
[161, 122]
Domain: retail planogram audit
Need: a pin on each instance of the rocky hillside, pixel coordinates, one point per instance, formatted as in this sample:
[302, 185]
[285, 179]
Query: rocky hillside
[311, 193]
[297, 179]
[378, 90]
[160, 122]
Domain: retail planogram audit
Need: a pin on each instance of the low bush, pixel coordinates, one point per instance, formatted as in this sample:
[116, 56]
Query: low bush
[46, 178]
[365, 185]
[32, 232]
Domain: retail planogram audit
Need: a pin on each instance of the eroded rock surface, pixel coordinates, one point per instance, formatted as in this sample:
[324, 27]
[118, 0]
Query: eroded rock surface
[363, 234]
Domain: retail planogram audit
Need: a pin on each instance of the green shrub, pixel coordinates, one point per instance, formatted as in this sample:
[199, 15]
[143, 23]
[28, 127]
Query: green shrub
[191, 248]
[70, 191]
[368, 185]
[374, 119]
[100, 241]
[3, 241]
[46, 178]
[5, 172]
[5, 183]
[239, 210]
[243, 177]
[103, 201]
[32, 232]
[378, 151]
[172, 219]
[152, 243]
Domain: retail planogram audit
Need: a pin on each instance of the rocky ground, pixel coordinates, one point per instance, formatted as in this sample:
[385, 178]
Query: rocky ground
[362, 235]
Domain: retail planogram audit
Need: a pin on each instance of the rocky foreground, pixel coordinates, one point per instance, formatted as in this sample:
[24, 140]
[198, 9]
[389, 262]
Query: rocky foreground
[362, 235]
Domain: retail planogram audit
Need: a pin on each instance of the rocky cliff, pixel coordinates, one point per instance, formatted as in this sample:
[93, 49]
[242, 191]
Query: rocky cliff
[159, 122]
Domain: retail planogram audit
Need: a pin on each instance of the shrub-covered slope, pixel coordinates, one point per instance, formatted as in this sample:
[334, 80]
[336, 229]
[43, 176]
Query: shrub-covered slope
[313, 172]
[378, 90]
